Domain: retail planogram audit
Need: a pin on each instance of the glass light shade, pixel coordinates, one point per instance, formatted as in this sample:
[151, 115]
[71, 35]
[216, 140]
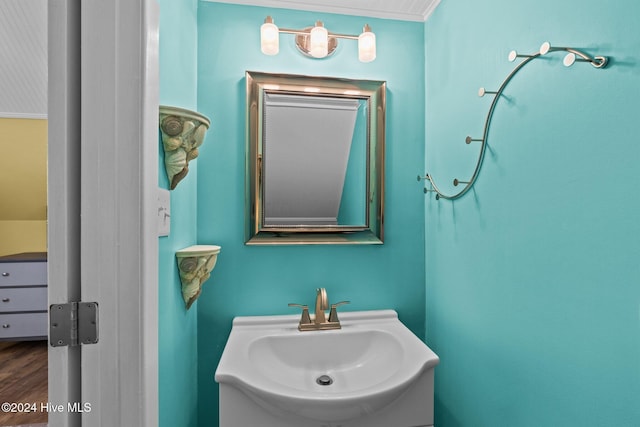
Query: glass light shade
[366, 46]
[269, 39]
[319, 41]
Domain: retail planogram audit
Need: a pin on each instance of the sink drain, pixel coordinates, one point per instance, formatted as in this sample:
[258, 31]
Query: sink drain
[324, 380]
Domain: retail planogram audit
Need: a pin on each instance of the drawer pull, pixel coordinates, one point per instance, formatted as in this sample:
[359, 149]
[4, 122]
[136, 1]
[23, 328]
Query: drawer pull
[6, 326]
[6, 299]
[5, 274]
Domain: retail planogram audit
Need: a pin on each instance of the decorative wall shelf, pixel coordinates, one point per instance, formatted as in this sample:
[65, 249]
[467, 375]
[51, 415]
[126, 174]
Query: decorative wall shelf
[572, 56]
[182, 133]
[195, 264]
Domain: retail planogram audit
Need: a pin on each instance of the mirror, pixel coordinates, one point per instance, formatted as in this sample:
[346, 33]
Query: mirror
[315, 160]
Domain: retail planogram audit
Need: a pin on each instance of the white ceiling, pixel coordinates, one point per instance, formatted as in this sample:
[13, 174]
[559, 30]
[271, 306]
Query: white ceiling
[23, 58]
[406, 10]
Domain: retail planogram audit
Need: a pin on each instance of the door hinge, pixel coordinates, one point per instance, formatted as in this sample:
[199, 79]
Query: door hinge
[73, 324]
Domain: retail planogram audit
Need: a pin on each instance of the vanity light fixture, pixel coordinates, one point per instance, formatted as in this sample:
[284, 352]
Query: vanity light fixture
[316, 41]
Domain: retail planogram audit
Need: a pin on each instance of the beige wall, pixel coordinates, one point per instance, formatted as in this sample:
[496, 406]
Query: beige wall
[22, 236]
[23, 185]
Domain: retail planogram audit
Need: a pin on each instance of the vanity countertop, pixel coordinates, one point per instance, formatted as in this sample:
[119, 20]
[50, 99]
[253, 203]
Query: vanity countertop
[24, 257]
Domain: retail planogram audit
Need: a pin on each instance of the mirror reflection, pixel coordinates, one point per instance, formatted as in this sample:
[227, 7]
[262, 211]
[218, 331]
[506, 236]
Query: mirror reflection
[315, 160]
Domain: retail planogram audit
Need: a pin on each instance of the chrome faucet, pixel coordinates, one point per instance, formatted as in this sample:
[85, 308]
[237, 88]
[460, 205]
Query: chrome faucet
[319, 321]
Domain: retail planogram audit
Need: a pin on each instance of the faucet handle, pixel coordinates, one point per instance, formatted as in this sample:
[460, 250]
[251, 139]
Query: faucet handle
[333, 314]
[305, 319]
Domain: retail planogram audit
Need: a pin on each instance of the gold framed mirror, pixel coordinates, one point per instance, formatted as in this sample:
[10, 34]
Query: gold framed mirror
[314, 160]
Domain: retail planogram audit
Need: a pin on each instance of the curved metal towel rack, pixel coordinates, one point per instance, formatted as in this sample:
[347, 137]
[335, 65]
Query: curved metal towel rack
[573, 55]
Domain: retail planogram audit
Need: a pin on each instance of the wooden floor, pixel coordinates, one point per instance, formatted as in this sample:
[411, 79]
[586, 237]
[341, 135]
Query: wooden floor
[23, 380]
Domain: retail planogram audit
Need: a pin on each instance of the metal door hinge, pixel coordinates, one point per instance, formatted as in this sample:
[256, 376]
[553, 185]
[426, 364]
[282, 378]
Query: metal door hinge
[73, 324]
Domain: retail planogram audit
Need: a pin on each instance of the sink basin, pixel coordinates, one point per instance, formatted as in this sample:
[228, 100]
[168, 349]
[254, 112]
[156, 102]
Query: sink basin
[329, 376]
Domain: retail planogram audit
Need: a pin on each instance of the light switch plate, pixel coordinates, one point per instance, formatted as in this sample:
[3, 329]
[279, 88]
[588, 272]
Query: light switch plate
[164, 212]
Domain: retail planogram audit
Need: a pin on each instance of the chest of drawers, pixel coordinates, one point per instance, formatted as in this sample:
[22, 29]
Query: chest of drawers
[23, 296]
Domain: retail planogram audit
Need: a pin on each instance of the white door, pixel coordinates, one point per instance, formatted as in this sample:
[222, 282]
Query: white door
[103, 113]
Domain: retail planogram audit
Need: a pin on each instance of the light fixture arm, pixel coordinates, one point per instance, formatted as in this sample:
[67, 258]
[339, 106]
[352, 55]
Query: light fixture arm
[305, 32]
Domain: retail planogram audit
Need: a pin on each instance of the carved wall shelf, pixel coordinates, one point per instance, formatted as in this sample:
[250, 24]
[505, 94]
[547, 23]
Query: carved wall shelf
[182, 133]
[195, 264]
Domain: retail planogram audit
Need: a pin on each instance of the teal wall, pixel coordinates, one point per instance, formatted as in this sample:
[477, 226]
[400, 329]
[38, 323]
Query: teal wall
[250, 280]
[533, 278]
[178, 341]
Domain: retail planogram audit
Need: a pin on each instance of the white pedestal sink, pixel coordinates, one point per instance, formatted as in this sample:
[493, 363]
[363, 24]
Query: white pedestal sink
[374, 372]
